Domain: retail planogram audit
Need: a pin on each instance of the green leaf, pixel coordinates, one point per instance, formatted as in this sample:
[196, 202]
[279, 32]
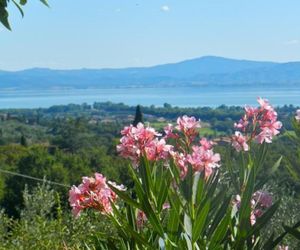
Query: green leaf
[23, 2]
[19, 7]
[146, 206]
[200, 222]
[146, 176]
[126, 198]
[220, 214]
[188, 242]
[220, 232]
[163, 188]
[4, 18]
[187, 225]
[293, 231]
[187, 185]
[45, 2]
[272, 244]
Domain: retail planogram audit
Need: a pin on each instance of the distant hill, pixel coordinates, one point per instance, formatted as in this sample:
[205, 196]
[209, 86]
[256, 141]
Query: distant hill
[203, 71]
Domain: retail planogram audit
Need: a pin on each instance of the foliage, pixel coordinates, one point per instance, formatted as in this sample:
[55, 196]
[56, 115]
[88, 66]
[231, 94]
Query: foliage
[138, 116]
[19, 4]
[66, 142]
[44, 225]
[178, 199]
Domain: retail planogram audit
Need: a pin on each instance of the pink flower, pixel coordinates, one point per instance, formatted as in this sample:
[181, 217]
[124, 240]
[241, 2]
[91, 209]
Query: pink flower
[203, 159]
[258, 123]
[158, 150]
[297, 117]
[188, 126]
[181, 162]
[92, 193]
[141, 219]
[250, 111]
[283, 247]
[239, 142]
[140, 141]
[264, 103]
[206, 144]
[169, 132]
[263, 199]
[260, 201]
[242, 124]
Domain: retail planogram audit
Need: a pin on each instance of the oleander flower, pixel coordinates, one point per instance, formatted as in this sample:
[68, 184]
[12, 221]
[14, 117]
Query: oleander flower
[141, 219]
[203, 158]
[180, 161]
[94, 193]
[260, 201]
[142, 141]
[283, 247]
[188, 126]
[259, 124]
[239, 142]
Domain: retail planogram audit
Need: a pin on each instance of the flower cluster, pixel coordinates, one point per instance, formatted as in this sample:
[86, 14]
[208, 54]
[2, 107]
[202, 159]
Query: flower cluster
[92, 193]
[297, 117]
[142, 141]
[258, 124]
[145, 141]
[260, 201]
[188, 126]
[202, 158]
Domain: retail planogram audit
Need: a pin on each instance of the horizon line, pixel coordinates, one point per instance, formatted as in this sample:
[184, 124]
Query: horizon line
[150, 66]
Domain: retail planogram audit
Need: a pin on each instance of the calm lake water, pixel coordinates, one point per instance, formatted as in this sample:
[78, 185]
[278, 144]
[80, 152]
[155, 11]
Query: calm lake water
[183, 97]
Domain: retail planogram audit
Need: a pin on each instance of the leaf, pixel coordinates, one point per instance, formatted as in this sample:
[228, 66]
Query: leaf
[4, 18]
[246, 197]
[146, 206]
[163, 188]
[220, 232]
[45, 2]
[200, 222]
[146, 176]
[188, 242]
[23, 2]
[126, 198]
[188, 225]
[276, 165]
[19, 7]
[187, 185]
[195, 187]
[293, 231]
[220, 214]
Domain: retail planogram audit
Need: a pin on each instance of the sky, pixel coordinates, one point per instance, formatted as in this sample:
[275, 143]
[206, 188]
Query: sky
[74, 34]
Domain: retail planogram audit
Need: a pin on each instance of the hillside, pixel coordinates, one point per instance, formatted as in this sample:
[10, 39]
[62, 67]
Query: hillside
[204, 71]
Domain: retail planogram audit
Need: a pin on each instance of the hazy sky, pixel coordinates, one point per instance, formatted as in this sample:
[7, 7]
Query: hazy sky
[123, 33]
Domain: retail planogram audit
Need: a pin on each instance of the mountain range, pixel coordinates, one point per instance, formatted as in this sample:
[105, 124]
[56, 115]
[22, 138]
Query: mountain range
[203, 71]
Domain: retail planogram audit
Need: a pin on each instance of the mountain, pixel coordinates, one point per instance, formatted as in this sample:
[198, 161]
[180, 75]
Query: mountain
[203, 71]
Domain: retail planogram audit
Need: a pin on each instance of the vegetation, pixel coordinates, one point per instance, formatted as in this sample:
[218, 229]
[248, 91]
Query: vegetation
[63, 143]
[19, 4]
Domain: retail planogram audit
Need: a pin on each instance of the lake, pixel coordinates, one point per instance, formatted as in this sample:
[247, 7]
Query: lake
[181, 96]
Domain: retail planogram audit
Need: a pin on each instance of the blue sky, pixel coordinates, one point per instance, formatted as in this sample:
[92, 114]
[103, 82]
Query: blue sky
[125, 33]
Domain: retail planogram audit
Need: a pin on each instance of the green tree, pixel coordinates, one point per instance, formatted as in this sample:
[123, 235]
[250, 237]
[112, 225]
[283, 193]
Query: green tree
[23, 141]
[138, 116]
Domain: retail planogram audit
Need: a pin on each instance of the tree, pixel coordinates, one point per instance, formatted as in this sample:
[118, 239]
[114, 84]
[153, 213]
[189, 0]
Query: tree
[23, 141]
[19, 4]
[138, 116]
